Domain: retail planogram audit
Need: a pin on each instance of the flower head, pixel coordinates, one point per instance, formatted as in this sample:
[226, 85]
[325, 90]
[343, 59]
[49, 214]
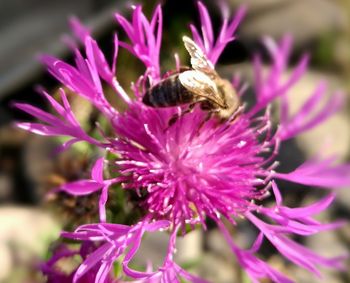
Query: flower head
[188, 173]
[195, 167]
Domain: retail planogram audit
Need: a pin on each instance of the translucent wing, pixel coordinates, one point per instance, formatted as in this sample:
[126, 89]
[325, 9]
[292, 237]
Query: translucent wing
[201, 85]
[199, 60]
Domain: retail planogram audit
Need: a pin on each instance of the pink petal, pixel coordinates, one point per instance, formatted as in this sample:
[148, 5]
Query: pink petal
[97, 170]
[320, 174]
[81, 187]
[80, 31]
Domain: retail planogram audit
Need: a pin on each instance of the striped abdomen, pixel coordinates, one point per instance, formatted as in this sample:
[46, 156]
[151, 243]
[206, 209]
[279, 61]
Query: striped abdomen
[168, 92]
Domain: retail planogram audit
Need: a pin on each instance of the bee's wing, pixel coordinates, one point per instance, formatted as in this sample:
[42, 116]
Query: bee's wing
[201, 85]
[199, 60]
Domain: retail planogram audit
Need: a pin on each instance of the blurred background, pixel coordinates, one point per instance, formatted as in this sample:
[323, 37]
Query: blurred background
[30, 219]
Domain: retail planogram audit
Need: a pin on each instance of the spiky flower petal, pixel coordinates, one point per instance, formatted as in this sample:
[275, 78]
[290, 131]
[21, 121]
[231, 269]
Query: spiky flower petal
[194, 169]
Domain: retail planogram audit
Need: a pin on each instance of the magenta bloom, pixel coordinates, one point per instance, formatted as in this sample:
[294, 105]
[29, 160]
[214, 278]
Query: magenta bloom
[191, 171]
[55, 275]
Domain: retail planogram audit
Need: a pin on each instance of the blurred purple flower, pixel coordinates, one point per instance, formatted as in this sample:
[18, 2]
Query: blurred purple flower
[54, 274]
[189, 174]
[115, 239]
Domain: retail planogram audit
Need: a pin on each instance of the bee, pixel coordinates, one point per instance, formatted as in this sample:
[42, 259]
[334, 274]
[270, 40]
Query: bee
[201, 84]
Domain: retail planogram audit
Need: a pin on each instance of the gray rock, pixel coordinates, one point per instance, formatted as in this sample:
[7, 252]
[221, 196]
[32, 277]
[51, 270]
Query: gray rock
[6, 262]
[36, 26]
[217, 245]
[25, 235]
[152, 250]
[189, 248]
[305, 20]
[215, 269]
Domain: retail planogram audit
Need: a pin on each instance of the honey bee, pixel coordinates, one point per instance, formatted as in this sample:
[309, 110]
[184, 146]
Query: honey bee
[201, 84]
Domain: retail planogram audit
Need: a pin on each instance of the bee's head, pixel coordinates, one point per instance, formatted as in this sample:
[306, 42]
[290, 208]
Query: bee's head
[231, 100]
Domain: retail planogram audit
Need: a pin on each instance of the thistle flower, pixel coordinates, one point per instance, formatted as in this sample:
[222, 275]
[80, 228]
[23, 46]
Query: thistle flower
[191, 171]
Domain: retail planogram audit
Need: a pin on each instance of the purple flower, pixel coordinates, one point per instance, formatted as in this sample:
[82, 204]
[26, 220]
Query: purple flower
[193, 169]
[96, 183]
[55, 275]
[115, 239]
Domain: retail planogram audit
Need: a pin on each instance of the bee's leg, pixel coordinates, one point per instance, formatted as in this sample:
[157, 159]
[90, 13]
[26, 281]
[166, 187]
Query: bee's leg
[188, 110]
[210, 109]
[236, 114]
[206, 119]
[176, 116]
[173, 72]
[172, 120]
